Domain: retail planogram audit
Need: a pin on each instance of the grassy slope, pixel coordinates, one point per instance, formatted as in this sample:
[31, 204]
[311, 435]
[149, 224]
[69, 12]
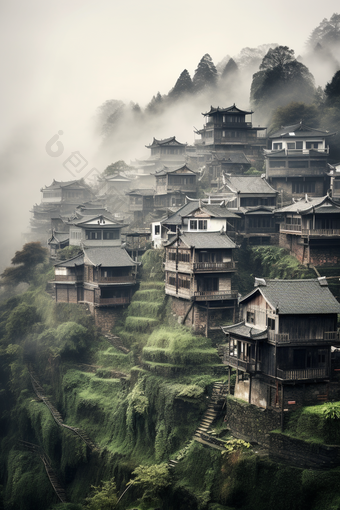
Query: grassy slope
[142, 417]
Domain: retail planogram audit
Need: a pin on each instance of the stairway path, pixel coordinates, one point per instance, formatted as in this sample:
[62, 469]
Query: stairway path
[57, 486]
[55, 413]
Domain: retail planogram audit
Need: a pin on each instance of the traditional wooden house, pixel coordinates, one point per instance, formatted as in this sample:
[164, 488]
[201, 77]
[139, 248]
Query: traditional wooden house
[254, 200]
[98, 276]
[58, 199]
[173, 185]
[296, 163]
[168, 152]
[198, 271]
[310, 230]
[58, 241]
[98, 230]
[334, 175]
[281, 349]
[195, 216]
[141, 203]
[234, 163]
[227, 130]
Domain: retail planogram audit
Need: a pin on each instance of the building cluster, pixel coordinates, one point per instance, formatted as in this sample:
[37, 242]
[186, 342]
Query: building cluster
[198, 204]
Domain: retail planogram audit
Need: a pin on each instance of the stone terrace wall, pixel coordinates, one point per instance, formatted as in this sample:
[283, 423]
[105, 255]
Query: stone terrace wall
[250, 422]
[300, 453]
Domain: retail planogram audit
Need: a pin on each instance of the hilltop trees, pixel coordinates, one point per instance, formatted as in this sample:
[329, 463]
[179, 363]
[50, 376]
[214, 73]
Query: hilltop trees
[332, 89]
[281, 79]
[25, 262]
[205, 74]
[182, 86]
[327, 33]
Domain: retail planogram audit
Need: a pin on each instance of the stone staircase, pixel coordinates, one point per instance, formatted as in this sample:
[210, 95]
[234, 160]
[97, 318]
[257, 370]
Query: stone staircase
[214, 409]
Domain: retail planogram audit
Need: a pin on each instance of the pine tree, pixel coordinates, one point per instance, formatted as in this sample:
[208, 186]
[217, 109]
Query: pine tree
[230, 70]
[182, 86]
[205, 75]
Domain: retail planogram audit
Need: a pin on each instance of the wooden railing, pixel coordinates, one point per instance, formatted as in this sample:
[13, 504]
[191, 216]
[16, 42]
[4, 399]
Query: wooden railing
[125, 300]
[68, 278]
[303, 373]
[321, 232]
[213, 266]
[215, 294]
[286, 338]
[290, 227]
[247, 366]
[117, 279]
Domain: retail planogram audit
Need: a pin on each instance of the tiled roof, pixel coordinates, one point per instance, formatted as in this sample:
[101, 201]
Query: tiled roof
[219, 211]
[299, 130]
[176, 218]
[290, 297]
[165, 170]
[78, 183]
[167, 141]
[246, 331]
[236, 157]
[110, 256]
[85, 219]
[229, 109]
[59, 237]
[248, 184]
[78, 260]
[204, 240]
[143, 192]
[321, 205]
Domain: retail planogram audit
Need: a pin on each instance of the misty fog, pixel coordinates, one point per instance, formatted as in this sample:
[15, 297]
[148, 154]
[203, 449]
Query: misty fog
[62, 62]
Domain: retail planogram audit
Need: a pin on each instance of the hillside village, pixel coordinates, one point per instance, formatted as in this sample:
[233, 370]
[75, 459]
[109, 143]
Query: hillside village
[149, 328]
[160, 203]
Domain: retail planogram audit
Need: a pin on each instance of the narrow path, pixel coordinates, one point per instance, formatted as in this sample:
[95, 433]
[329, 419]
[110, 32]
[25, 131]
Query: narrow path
[38, 390]
[216, 404]
[57, 486]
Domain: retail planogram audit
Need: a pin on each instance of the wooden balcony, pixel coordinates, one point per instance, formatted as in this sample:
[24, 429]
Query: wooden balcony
[302, 374]
[292, 229]
[117, 279]
[112, 301]
[200, 267]
[320, 232]
[286, 338]
[210, 295]
[200, 295]
[68, 278]
[244, 366]
[298, 172]
[213, 266]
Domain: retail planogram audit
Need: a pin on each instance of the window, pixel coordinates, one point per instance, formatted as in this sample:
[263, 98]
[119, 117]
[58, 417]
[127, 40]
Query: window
[185, 284]
[290, 145]
[317, 164]
[299, 145]
[202, 225]
[303, 187]
[298, 164]
[277, 163]
[193, 224]
[93, 234]
[172, 256]
[157, 230]
[172, 280]
[277, 146]
[271, 323]
[183, 257]
[251, 317]
[111, 234]
[312, 145]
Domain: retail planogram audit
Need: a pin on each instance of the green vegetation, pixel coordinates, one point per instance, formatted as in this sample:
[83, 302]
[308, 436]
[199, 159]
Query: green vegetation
[141, 408]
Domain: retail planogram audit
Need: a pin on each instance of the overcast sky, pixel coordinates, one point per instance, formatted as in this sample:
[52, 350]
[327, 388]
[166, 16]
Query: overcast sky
[61, 60]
